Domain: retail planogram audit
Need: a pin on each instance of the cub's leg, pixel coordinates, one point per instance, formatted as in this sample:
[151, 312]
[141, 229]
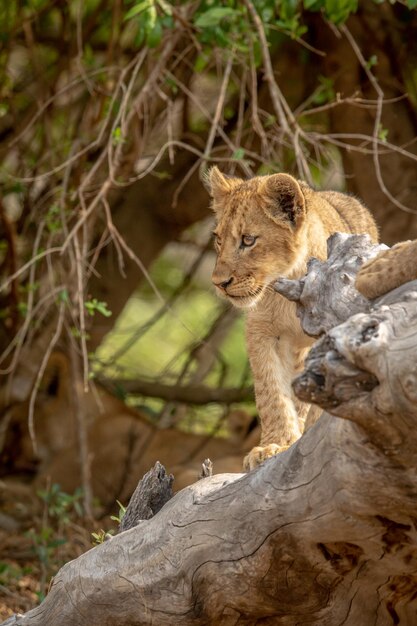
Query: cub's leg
[274, 364]
[390, 269]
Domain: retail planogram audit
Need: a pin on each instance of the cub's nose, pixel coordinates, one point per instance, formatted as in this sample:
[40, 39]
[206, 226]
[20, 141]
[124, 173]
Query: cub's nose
[224, 283]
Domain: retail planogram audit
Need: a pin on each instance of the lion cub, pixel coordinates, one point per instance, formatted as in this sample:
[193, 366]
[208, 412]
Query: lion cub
[268, 227]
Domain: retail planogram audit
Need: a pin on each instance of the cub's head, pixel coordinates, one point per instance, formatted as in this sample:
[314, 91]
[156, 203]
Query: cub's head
[259, 233]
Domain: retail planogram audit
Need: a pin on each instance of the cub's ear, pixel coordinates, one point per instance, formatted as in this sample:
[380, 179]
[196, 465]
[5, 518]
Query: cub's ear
[217, 184]
[283, 199]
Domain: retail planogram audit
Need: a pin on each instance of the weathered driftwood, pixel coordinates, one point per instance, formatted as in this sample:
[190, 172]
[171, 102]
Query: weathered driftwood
[325, 533]
[206, 469]
[326, 295]
[153, 491]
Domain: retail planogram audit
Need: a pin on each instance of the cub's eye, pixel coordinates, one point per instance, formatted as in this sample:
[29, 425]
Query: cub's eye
[248, 241]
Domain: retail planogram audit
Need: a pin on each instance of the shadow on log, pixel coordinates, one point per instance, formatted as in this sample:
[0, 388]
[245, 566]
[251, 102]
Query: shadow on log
[324, 533]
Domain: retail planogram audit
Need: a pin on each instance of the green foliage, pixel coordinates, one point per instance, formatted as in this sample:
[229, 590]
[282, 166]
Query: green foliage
[324, 92]
[61, 505]
[63, 296]
[214, 16]
[10, 573]
[53, 219]
[122, 510]
[337, 11]
[95, 306]
[227, 23]
[60, 509]
[372, 61]
[139, 8]
[45, 542]
[101, 536]
[151, 17]
[117, 136]
[22, 307]
[239, 154]
[382, 133]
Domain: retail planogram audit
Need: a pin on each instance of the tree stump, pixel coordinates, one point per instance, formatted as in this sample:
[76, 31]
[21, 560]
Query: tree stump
[153, 491]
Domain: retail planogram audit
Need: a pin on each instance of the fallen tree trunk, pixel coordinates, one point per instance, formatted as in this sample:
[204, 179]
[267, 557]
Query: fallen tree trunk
[325, 533]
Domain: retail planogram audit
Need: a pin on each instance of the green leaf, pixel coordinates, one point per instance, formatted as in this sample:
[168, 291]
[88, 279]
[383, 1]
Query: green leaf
[165, 6]
[412, 4]
[140, 37]
[167, 21]
[151, 16]
[22, 307]
[155, 35]
[339, 10]
[162, 175]
[201, 62]
[288, 9]
[291, 23]
[121, 507]
[102, 308]
[214, 16]
[267, 14]
[382, 133]
[63, 296]
[373, 60]
[239, 154]
[122, 511]
[222, 37]
[95, 305]
[325, 92]
[313, 5]
[53, 219]
[117, 136]
[172, 84]
[137, 9]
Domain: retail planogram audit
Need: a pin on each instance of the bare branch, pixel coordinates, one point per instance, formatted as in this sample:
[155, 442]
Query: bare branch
[193, 394]
[378, 119]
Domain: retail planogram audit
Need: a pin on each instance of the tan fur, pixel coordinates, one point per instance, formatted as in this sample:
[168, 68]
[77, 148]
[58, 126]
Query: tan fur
[388, 270]
[123, 443]
[291, 223]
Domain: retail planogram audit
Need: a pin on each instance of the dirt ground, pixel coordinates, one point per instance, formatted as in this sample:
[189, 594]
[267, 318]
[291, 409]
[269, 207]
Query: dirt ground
[39, 532]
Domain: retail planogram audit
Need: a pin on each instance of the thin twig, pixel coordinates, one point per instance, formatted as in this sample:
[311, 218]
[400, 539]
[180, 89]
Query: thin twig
[378, 120]
[79, 411]
[81, 309]
[31, 411]
[281, 107]
[219, 107]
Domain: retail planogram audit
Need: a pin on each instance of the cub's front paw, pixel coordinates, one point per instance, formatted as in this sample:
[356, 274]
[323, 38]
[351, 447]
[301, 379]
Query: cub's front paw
[259, 454]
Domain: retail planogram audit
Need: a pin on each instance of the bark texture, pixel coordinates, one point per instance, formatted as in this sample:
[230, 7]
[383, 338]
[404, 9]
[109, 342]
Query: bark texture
[324, 533]
[152, 492]
[327, 295]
